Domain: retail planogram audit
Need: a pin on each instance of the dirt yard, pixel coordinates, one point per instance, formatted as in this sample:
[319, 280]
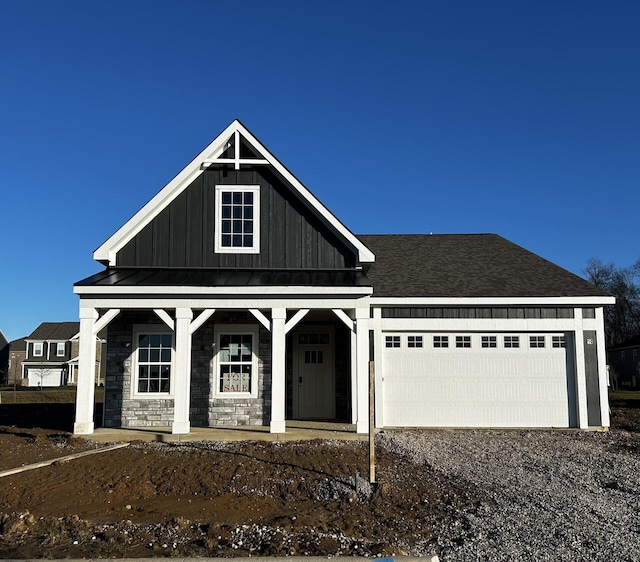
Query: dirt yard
[225, 499]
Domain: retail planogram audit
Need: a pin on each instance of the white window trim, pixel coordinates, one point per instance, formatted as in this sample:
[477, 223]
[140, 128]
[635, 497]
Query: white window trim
[218, 247]
[38, 345]
[138, 330]
[60, 346]
[236, 329]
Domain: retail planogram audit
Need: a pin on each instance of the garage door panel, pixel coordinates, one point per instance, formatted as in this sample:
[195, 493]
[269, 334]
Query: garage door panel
[475, 388]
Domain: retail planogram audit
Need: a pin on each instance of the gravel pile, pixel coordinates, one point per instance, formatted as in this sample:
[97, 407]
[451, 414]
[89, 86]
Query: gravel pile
[542, 495]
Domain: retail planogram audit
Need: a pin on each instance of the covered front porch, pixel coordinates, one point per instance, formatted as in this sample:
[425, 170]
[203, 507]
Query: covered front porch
[272, 346]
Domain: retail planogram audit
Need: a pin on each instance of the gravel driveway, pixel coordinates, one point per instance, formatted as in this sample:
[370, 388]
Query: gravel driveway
[543, 495]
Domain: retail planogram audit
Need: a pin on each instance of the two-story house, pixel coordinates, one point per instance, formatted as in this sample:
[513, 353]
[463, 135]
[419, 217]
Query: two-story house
[48, 351]
[235, 297]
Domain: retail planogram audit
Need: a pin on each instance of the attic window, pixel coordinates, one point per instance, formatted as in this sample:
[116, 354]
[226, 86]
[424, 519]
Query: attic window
[237, 228]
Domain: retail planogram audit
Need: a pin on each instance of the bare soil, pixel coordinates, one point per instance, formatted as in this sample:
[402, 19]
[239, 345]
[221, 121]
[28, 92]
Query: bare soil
[224, 499]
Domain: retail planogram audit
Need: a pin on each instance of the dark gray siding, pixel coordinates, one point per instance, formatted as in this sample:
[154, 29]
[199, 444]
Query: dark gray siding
[593, 384]
[291, 235]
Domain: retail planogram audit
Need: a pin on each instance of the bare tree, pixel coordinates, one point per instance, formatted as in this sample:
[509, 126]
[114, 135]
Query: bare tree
[622, 320]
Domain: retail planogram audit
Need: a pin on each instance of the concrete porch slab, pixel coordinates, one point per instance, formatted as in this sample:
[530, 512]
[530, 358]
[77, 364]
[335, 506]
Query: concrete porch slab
[295, 431]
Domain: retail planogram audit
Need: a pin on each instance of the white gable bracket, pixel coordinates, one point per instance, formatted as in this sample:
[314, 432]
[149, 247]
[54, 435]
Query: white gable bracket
[291, 323]
[164, 316]
[345, 318]
[200, 320]
[261, 318]
[105, 319]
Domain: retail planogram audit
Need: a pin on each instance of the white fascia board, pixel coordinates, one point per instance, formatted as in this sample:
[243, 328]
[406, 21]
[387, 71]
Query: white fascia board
[491, 301]
[364, 254]
[222, 291]
[108, 250]
[260, 302]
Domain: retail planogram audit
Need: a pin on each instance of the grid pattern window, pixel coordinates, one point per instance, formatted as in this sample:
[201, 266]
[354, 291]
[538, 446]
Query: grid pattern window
[511, 341]
[440, 341]
[38, 349]
[558, 341]
[60, 349]
[237, 219]
[536, 342]
[463, 341]
[414, 341]
[392, 341]
[154, 363]
[489, 341]
[235, 360]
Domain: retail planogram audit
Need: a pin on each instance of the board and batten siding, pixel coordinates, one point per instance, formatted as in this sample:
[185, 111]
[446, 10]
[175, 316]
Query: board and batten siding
[291, 236]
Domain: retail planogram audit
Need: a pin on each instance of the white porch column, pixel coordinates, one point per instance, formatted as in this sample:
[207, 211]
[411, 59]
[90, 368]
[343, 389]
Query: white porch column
[278, 368]
[85, 392]
[362, 370]
[182, 371]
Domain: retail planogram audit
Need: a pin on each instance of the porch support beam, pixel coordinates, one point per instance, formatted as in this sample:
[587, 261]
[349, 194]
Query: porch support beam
[201, 319]
[105, 319]
[278, 366]
[182, 376]
[164, 316]
[261, 318]
[293, 321]
[85, 393]
[362, 370]
[345, 318]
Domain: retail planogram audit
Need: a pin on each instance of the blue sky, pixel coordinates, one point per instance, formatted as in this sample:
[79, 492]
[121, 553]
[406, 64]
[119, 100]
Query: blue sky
[519, 118]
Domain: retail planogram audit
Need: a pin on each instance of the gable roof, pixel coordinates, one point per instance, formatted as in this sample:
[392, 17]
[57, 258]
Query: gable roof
[232, 139]
[60, 331]
[631, 342]
[466, 265]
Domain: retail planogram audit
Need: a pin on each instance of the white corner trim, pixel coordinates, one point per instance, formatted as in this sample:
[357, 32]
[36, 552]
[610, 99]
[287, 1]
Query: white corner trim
[108, 250]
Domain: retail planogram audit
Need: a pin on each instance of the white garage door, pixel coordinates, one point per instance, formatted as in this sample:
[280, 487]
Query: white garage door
[475, 380]
[45, 376]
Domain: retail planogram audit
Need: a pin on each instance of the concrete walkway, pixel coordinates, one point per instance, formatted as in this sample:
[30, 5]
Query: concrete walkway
[295, 431]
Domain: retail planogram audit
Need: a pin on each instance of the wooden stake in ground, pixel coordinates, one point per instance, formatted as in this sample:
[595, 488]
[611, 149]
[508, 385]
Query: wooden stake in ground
[372, 433]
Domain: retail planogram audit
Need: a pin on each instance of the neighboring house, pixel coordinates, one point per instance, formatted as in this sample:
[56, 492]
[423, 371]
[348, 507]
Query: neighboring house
[4, 358]
[624, 364]
[48, 351]
[235, 297]
[16, 356]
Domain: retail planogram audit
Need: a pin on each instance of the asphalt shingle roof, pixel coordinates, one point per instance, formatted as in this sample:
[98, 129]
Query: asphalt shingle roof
[466, 265]
[61, 331]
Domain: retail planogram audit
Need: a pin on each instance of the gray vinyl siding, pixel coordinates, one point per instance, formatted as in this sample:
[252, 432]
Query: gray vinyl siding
[291, 235]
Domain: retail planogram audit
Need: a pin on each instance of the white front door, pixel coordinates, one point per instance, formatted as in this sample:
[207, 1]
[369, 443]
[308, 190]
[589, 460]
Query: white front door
[313, 381]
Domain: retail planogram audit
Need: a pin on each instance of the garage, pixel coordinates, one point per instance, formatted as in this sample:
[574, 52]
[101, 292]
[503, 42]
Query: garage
[478, 380]
[44, 376]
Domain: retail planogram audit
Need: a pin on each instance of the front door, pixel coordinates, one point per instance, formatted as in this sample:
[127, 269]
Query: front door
[314, 378]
